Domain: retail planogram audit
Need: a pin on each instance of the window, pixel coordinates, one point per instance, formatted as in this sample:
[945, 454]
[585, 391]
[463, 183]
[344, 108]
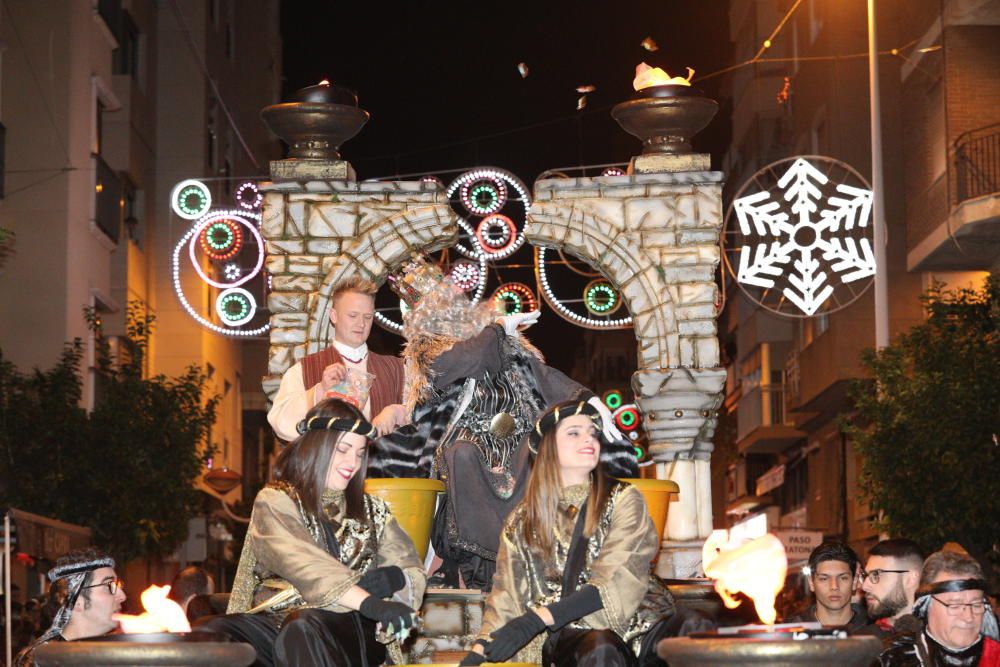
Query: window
[127, 53]
[99, 128]
[130, 211]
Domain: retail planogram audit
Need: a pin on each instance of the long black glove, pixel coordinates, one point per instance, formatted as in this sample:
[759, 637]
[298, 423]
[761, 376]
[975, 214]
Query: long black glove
[513, 635]
[382, 582]
[577, 604]
[472, 659]
[394, 616]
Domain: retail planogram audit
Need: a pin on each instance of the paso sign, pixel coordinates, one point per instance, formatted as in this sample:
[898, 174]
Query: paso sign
[799, 543]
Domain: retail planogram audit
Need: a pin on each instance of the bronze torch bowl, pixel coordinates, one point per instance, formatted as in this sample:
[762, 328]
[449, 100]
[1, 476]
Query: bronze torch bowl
[665, 117]
[731, 651]
[148, 650]
[314, 130]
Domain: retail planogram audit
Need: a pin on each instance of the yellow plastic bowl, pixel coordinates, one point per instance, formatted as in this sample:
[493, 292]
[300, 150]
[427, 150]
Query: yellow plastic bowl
[412, 502]
[485, 664]
[657, 494]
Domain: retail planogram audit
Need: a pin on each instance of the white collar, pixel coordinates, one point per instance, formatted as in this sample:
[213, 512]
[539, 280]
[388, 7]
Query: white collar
[353, 354]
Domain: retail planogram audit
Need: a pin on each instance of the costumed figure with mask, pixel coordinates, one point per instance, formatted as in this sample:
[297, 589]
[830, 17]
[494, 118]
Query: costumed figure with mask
[474, 387]
[327, 577]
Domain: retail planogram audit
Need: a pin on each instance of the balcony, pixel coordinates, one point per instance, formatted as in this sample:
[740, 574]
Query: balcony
[763, 425]
[969, 239]
[108, 209]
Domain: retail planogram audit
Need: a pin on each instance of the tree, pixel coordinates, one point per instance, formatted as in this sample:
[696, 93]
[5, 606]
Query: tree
[128, 468]
[926, 426]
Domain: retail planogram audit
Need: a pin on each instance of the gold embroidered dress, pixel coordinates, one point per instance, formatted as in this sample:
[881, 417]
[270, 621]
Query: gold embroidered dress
[287, 562]
[618, 564]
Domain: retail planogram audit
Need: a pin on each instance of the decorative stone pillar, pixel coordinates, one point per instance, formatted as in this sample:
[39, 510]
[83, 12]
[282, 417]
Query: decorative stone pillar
[655, 235]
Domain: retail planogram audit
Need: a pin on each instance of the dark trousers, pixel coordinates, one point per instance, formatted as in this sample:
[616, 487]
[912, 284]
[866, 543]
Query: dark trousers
[570, 647]
[306, 638]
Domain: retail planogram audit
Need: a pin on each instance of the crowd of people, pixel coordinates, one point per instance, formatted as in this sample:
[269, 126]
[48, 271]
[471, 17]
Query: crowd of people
[536, 515]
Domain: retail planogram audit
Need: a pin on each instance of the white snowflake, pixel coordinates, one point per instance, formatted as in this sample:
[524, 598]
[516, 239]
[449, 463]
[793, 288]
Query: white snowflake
[798, 237]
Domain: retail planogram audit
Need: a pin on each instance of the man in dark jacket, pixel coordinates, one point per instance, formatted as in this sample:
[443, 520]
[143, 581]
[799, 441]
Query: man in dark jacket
[833, 577]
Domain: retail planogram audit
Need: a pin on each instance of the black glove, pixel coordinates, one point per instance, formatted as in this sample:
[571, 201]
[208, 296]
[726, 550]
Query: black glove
[472, 659]
[394, 616]
[512, 636]
[576, 605]
[382, 582]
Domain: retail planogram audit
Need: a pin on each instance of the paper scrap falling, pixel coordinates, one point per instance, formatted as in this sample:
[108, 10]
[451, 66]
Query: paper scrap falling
[581, 103]
[650, 44]
[586, 89]
[523, 70]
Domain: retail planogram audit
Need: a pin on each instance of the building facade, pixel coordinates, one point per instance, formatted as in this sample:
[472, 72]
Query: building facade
[788, 378]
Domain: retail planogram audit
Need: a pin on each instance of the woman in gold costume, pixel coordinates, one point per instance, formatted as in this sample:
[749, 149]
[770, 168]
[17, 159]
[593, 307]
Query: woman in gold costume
[321, 557]
[573, 584]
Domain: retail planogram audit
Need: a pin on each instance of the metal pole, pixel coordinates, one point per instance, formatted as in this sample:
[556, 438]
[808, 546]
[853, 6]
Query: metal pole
[878, 188]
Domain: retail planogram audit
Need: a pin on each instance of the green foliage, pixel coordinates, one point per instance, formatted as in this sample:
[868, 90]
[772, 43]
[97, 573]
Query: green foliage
[926, 427]
[128, 468]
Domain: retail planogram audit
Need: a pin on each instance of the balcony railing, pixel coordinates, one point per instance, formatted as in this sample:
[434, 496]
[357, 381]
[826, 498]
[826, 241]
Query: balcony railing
[977, 163]
[761, 406]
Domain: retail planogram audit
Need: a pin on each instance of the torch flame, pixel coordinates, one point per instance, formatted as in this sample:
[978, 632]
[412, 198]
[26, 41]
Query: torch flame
[324, 82]
[162, 614]
[756, 568]
[647, 77]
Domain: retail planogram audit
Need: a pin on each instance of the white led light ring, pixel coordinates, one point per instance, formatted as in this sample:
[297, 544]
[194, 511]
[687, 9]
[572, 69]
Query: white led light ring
[197, 187]
[235, 292]
[240, 217]
[563, 310]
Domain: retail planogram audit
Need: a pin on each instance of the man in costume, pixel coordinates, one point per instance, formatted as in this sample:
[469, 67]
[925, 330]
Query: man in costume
[352, 311]
[474, 387]
[93, 594]
[960, 628]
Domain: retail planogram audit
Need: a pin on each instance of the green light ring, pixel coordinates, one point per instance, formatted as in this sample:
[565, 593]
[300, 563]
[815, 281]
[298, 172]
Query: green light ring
[221, 251]
[613, 400]
[238, 299]
[183, 191]
[512, 297]
[590, 297]
[212, 230]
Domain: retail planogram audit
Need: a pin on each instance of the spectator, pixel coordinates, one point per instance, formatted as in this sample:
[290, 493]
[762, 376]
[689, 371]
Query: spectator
[190, 582]
[960, 626]
[891, 578]
[833, 576]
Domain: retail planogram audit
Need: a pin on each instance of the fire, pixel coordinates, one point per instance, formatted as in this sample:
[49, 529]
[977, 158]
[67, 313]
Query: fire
[162, 614]
[647, 77]
[756, 568]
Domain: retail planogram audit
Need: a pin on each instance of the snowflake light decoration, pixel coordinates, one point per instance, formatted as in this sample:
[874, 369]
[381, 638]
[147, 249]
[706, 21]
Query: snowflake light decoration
[801, 230]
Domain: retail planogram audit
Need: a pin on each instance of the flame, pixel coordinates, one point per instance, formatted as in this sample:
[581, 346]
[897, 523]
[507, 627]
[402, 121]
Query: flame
[647, 77]
[162, 614]
[756, 568]
[324, 82]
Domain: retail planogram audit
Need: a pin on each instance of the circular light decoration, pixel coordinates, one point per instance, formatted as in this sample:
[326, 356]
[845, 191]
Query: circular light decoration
[613, 399]
[248, 196]
[627, 417]
[600, 297]
[613, 171]
[430, 178]
[232, 272]
[190, 199]
[465, 274]
[562, 307]
[484, 195]
[221, 239]
[515, 206]
[496, 233]
[511, 298]
[235, 306]
[798, 238]
[188, 239]
[238, 220]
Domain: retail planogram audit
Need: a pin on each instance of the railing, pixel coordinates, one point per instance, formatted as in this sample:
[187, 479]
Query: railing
[761, 406]
[109, 199]
[977, 162]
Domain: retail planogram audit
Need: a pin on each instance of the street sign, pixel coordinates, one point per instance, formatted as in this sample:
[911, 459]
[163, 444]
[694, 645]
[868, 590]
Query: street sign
[799, 543]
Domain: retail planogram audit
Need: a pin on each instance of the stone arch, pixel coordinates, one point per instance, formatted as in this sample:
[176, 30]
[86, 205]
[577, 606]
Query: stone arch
[380, 245]
[609, 248]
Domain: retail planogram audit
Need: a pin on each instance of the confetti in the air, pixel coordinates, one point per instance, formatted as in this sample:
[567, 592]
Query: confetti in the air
[523, 70]
[586, 89]
[582, 102]
[650, 44]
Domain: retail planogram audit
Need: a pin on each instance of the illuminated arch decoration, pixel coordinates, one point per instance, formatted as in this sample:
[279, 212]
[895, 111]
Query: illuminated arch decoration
[601, 298]
[511, 298]
[801, 243]
[613, 399]
[190, 199]
[466, 275]
[248, 196]
[499, 192]
[239, 218]
[235, 306]
[576, 310]
[496, 233]
[483, 195]
[221, 239]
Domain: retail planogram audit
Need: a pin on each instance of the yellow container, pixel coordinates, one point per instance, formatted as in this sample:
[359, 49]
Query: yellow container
[412, 502]
[657, 494]
[485, 664]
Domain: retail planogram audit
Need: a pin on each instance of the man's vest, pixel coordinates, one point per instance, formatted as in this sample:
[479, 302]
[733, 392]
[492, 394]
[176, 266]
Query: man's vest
[388, 371]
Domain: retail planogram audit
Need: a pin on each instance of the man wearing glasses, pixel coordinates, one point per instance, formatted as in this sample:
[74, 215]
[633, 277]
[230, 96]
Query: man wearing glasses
[890, 581]
[960, 627]
[91, 593]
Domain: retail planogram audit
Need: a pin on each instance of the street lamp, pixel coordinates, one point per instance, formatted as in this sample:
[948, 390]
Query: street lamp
[878, 189]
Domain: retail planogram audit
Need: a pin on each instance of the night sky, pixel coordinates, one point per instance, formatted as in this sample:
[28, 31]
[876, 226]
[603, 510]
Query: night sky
[442, 85]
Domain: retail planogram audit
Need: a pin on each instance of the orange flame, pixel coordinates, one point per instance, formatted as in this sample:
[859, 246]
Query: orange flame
[324, 82]
[756, 568]
[647, 77]
[162, 614]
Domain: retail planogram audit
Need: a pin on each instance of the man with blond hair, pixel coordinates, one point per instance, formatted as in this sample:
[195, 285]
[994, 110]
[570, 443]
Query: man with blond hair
[352, 312]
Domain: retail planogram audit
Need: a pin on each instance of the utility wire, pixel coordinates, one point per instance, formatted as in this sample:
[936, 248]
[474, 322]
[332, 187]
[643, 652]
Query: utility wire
[211, 81]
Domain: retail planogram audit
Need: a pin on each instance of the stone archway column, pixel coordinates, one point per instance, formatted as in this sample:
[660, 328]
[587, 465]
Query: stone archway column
[655, 235]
